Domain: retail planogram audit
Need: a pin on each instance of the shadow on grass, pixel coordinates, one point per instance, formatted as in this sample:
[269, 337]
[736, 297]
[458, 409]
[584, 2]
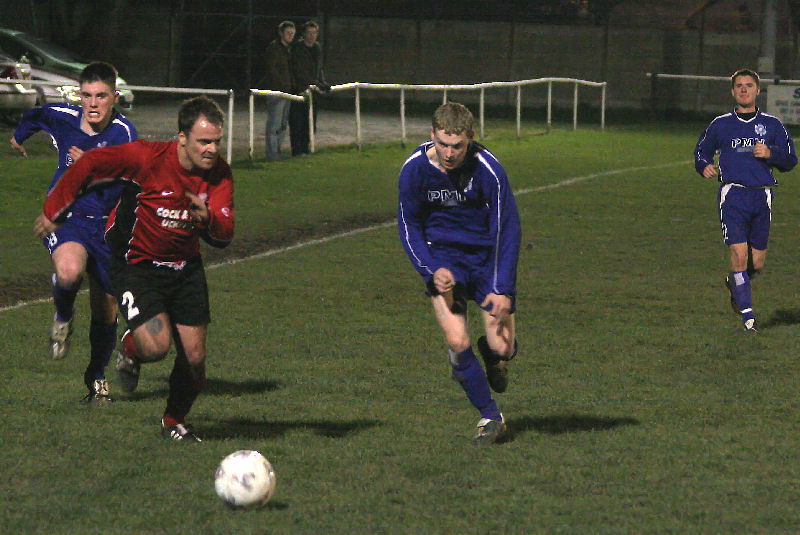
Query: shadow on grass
[568, 423]
[260, 429]
[782, 317]
[214, 387]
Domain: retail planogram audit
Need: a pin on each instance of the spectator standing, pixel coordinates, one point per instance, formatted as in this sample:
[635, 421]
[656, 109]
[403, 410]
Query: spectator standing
[175, 193]
[750, 143]
[78, 246]
[306, 62]
[459, 225]
[278, 78]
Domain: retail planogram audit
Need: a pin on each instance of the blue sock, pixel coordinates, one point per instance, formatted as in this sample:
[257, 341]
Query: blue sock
[64, 299]
[740, 288]
[103, 339]
[469, 373]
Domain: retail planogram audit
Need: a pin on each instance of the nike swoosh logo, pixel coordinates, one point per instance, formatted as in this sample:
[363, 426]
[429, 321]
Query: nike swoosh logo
[166, 193]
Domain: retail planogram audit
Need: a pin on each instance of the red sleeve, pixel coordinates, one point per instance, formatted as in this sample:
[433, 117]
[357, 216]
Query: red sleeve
[105, 164]
[219, 232]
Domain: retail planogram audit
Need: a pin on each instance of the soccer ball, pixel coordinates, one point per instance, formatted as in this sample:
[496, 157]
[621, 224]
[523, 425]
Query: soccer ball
[245, 479]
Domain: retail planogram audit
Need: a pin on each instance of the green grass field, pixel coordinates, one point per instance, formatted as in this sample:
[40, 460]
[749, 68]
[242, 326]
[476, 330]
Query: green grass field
[636, 405]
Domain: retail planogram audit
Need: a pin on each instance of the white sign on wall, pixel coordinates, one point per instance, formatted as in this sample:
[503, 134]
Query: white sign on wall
[783, 101]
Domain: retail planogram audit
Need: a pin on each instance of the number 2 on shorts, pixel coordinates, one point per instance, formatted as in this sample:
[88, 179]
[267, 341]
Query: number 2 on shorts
[127, 301]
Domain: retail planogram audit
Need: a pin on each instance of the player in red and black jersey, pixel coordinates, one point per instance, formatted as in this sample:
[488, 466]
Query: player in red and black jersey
[175, 193]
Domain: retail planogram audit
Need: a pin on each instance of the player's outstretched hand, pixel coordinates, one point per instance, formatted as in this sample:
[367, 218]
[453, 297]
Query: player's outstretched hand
[198, 208]
[43, 227]
[18, 147]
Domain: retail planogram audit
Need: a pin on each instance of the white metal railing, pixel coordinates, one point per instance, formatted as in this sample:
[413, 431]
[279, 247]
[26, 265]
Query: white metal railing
[270, 93]
[153, 89]
[357, 86]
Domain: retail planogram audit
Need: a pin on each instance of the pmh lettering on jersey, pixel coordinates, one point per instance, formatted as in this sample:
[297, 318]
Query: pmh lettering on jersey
[446, 197]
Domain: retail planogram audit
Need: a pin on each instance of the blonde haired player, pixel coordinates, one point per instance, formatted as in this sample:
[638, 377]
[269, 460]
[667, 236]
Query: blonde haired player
[459, 225]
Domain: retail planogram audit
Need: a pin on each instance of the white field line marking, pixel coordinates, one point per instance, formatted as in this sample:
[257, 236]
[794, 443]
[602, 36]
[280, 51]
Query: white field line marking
[318, 241]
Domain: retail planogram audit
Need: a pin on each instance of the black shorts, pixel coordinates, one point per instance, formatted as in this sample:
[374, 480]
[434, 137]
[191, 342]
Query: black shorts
[145, 290]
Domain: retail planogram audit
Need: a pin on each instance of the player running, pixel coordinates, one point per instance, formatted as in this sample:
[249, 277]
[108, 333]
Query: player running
[459, 225]
[750, 143]
[175, 193]
[77, 246]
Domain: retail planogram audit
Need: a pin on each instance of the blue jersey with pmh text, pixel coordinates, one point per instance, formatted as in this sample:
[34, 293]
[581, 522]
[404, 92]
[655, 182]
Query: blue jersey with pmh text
[63, 123]
[471, 206]
[734, 138]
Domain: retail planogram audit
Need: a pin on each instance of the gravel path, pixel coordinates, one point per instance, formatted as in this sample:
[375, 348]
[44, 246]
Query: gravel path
[157, 121]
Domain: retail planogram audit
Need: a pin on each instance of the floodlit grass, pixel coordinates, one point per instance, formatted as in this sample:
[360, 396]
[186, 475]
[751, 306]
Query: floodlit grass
[636, 405]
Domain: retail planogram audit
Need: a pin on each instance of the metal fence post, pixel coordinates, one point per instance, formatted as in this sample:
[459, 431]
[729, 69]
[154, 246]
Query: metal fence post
[312, 142]
[358, 118]
[519, 110]
[482, 107]
[230, 125]
[603, 108]
[575, 108]
[252, 118]
[403, 117]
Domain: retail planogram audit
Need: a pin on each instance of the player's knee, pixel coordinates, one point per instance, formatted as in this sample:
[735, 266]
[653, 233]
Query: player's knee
[69, 274]
[104, 318]
[457, 342]
[196, 357]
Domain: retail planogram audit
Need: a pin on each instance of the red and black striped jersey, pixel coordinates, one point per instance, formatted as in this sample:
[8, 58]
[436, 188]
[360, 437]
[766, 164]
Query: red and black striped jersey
[152, 219]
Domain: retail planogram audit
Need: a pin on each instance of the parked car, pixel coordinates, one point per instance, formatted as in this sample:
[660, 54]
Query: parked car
[54, 63]
[16, 97]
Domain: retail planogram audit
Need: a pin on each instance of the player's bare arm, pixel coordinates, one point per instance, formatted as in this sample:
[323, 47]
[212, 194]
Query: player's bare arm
[198, 208]
[760, 150]
[43, 227]
[18, 147]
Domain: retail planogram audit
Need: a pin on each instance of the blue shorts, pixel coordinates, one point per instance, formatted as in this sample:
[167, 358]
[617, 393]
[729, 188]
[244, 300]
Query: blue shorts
[472, 269]
[89, 232]
[745, 215]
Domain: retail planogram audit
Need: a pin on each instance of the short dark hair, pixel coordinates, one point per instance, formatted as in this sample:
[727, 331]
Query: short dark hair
[310, 24]
[191, 110]
[99, 71]
[285, 24]
[745, 72]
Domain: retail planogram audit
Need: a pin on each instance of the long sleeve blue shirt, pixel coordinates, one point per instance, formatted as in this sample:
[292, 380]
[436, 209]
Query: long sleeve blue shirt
[734, 137]
[63, 123]
[472, 206]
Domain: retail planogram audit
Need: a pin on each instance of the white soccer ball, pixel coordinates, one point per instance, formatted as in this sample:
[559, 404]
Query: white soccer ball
[245, 479]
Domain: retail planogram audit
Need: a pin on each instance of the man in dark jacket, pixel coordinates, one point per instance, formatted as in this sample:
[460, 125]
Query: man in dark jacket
[279, 78]
[306, 62]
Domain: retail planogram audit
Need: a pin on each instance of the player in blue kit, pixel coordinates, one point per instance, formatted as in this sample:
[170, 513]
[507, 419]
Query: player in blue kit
[78, 245]
[750, 143]
[459, 225]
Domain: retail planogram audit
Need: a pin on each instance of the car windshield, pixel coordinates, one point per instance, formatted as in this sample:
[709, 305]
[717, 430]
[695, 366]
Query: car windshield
[52, 49]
